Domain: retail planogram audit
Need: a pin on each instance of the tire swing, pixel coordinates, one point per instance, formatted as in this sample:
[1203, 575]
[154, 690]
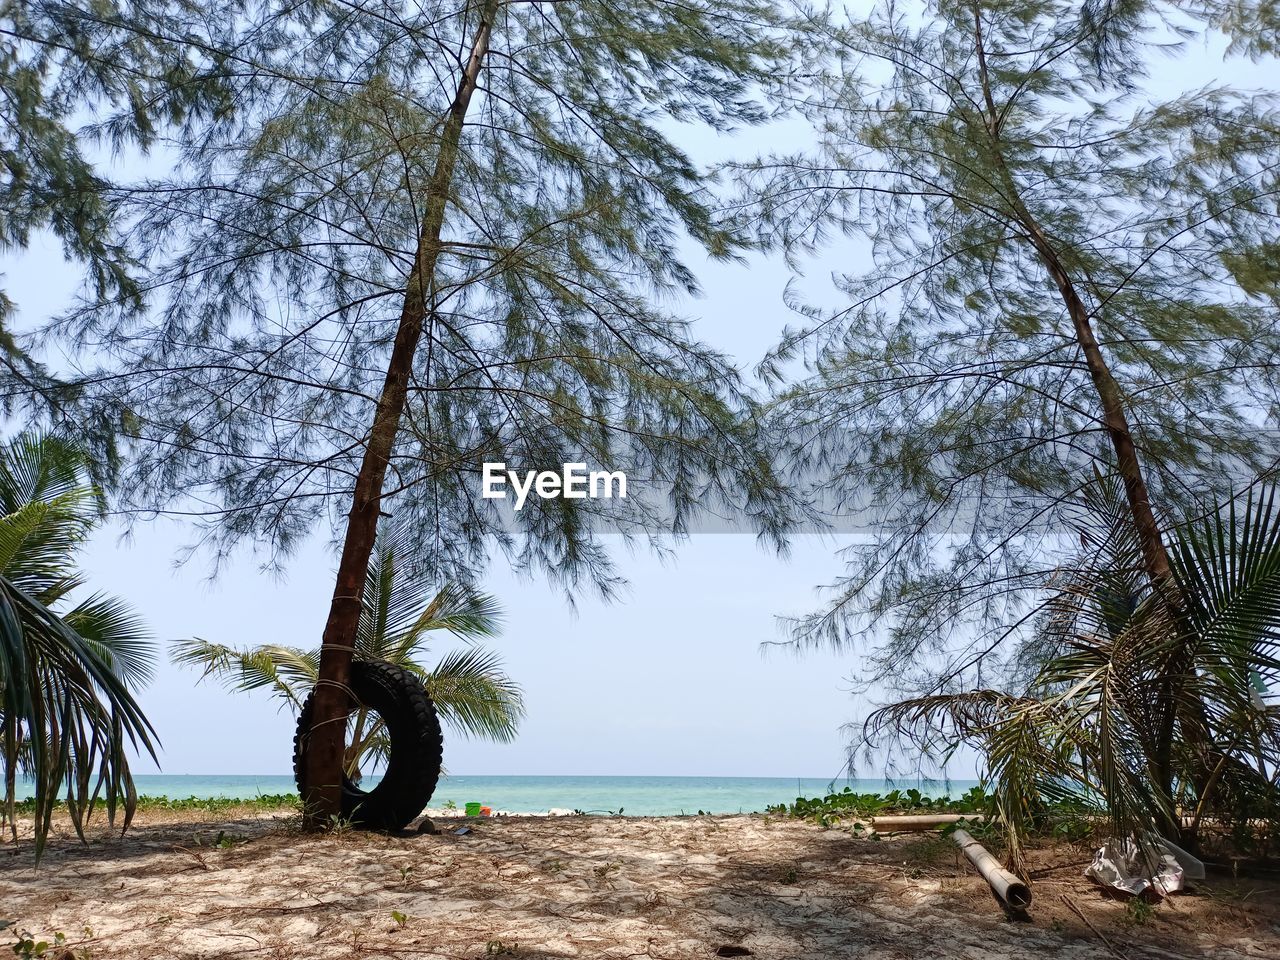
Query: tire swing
[413, 767]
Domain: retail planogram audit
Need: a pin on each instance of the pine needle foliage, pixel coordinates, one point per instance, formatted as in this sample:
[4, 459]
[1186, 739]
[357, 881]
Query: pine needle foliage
[1069, 274]
[287, 249]
[84, 82]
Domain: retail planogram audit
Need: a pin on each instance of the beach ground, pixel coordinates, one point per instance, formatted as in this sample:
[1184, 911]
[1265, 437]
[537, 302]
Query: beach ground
[545, 888]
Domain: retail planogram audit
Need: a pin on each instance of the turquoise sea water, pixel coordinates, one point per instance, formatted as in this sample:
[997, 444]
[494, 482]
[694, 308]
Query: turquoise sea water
[639, 796]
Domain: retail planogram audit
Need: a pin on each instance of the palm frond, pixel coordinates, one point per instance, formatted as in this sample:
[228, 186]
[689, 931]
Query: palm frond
[400, 609]
[467, 614]
[120, 636]
[475, 696]
[1227, 567]
[38, 542]
[289, 672]
[396, 588]
[37, 468]
[1228, 570]
[68, 719]
[1097, 591]
[69, 715]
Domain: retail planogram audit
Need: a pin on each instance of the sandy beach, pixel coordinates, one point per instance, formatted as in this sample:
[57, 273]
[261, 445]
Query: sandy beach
[546, 888]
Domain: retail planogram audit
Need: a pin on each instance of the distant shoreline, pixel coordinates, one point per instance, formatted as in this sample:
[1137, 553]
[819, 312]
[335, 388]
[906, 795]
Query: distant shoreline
[531, 793]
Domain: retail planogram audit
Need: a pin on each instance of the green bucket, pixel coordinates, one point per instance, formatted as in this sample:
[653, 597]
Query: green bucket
[473, 809]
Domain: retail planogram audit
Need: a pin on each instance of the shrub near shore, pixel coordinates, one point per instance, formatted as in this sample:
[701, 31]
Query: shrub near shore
[848, 805]
[266, 801]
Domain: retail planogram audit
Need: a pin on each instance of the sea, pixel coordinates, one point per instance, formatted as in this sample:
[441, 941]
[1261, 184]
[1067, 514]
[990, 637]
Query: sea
[629, 796]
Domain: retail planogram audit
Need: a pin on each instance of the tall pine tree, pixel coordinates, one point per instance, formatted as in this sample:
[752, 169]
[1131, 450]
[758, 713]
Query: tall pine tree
[431, 237]
[1070, 275]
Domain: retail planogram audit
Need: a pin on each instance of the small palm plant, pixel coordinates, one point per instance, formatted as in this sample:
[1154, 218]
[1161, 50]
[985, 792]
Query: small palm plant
[68, 719]
[1149, 702]
[472, 693]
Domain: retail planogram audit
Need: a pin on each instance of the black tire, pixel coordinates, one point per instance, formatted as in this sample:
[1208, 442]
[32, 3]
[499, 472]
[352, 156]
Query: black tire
[413, 769]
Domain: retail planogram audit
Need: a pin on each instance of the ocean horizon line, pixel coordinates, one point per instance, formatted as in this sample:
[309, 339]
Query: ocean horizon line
[841, 778]
[585, 776]
[541, 793]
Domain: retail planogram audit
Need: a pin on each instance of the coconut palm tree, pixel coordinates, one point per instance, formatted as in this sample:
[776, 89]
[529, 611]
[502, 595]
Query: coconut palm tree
[68, 718]
[401, 613]
[1097, 720]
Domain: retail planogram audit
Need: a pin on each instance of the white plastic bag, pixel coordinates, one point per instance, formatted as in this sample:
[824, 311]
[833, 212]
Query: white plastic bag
[1134, 868]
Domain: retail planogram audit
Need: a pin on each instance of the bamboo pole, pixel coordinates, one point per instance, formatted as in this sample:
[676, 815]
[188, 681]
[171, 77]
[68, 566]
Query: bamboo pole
[1007, 888]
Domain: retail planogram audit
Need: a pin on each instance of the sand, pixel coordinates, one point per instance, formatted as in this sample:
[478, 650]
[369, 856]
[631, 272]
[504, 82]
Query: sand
[540, 888]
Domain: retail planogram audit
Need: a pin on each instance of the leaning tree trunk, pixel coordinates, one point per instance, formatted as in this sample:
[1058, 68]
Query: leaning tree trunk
[1115, 421]
[323, 801]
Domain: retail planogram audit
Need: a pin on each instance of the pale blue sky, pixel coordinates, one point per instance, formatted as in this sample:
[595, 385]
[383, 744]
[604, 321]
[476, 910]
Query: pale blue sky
[669, 681]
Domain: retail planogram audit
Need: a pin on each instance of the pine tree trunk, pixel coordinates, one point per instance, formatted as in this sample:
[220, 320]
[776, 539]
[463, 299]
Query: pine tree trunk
[1114, 419]
[1116, 423]
[323, 801]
